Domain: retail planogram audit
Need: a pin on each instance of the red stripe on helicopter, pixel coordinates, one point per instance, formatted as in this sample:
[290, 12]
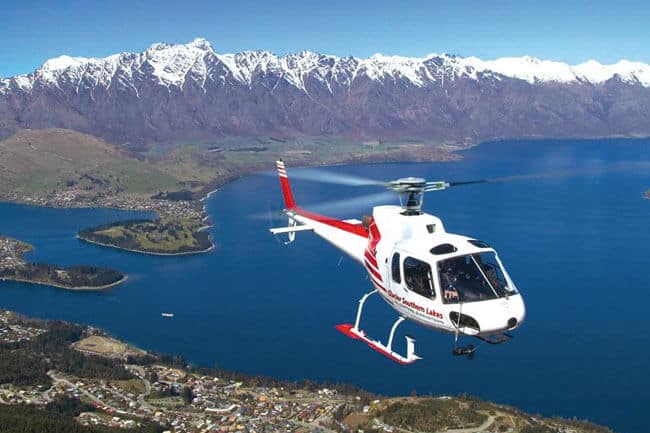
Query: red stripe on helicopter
[369, 265]
[371, 258]
[377, 285]
[289, 203]
[373, 272]
[355, 229]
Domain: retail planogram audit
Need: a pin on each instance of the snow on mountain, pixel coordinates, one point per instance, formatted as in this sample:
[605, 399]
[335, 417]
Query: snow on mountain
[535, 70]
[173, 64]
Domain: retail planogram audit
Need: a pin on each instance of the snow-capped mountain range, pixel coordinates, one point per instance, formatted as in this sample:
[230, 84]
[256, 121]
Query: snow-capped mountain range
[172, 92]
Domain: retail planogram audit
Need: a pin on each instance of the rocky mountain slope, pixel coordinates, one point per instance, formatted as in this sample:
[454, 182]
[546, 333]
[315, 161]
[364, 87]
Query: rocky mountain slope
[173, 93]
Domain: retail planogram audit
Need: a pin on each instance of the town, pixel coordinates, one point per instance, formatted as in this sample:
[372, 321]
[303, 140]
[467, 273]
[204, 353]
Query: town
[11, 253]
[177, 209]
[182, 399]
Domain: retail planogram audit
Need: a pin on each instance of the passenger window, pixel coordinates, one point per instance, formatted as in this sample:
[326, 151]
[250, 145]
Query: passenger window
[417, 276]
[394, 269]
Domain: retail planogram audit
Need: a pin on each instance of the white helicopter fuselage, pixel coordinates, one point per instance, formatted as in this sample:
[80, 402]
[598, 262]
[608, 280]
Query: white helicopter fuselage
[443, 281]
[414, 236]
[395, 236]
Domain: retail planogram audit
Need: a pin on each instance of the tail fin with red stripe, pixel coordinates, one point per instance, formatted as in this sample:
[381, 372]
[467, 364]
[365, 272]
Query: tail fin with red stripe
[289, 203]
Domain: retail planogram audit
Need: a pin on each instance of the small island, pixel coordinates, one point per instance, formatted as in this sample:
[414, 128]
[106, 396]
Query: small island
[161, 236]
[647, 194]
[14, 267]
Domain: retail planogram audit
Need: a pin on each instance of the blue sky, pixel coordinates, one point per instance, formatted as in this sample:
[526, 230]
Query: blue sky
[33, 31]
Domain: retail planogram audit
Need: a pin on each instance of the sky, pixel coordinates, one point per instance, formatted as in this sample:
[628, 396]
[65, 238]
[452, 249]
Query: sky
[571, 31]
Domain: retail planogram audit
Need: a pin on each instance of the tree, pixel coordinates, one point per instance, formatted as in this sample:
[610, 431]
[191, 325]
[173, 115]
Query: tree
[187, 394]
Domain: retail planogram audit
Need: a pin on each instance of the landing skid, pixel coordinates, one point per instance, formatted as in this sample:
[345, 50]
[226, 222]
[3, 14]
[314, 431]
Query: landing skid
[353, 331]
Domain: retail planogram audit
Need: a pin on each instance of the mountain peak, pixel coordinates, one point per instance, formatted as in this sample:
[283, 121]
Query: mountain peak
[201, 43]
[62, 63]
[157, 46]
[197, 43]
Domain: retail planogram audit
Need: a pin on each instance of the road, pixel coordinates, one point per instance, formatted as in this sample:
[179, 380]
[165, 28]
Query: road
[56, 380]
[483, 427]
[488, 422]
[142, 374]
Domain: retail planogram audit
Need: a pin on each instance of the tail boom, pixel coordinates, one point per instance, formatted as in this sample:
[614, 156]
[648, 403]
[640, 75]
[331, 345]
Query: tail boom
[348, 235]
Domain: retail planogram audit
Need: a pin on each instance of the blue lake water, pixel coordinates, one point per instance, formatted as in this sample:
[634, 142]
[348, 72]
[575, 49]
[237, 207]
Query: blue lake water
[578, 249]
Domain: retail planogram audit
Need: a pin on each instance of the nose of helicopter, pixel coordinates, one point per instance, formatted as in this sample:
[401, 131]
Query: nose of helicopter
[503, 315]
[516, 310]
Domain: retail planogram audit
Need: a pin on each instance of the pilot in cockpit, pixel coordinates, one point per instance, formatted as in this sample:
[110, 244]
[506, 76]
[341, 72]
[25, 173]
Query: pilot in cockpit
[448, 278]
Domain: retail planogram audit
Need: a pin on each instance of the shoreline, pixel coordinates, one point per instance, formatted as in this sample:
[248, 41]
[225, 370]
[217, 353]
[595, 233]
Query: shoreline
[217, 184]
[73, 289]
[149, 253]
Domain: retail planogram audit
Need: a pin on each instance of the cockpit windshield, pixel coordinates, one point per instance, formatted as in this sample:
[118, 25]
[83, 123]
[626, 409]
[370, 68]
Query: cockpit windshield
[474, 277]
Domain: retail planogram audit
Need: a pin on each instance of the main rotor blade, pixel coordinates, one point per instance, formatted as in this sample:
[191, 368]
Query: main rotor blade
[353, 205]
[572, 172]
[468, 182]
[336, 208]
[317, 175]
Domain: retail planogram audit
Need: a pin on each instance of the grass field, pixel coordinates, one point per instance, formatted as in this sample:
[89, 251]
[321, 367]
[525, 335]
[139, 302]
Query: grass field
[107, 347]
[134, 386]
[43, 161]
[47, 161]
[103, 346]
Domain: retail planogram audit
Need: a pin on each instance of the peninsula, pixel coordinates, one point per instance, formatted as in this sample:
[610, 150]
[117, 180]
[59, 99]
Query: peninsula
[13, 266]
[64, 377]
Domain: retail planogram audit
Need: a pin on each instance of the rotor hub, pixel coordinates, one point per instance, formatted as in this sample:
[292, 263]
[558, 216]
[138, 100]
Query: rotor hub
[406, 184]
[410, 191]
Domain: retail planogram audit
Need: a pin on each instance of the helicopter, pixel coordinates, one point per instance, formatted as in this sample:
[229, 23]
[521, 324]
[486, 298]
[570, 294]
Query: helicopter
[442, 281]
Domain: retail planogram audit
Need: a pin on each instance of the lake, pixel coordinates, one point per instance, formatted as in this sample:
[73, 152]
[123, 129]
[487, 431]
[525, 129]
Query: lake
[577, 247]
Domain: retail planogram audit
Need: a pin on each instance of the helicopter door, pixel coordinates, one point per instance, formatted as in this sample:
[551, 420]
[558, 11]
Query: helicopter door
[419, 278]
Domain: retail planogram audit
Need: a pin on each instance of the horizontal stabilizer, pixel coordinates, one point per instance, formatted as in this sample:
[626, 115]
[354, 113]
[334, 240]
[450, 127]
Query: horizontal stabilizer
[305, 227]
[283, 230]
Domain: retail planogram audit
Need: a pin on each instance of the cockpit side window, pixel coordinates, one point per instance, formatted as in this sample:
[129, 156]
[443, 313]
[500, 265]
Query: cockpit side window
[494, 273]
[417, 276]
[394, 269]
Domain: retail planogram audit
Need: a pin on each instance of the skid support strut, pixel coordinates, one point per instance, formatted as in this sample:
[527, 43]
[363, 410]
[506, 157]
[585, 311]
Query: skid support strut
[355, 332]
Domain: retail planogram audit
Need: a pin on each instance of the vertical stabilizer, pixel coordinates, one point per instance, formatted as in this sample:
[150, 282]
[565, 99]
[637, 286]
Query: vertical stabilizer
[289, 203]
